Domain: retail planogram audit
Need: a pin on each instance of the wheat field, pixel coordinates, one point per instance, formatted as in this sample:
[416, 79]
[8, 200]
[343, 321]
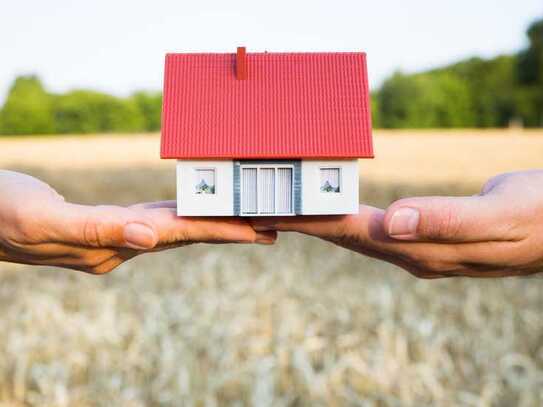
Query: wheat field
[302, 323]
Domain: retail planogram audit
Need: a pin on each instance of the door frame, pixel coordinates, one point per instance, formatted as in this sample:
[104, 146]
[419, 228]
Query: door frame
[274, 166]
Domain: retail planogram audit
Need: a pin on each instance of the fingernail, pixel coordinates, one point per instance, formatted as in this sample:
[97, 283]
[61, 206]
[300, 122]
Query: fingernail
[403, 224]
[139, 236]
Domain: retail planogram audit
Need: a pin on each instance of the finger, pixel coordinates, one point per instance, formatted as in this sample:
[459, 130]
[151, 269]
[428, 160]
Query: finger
[63, 252]
[153, 205]
[315, 225]
[96, 269]
[365, 233]
[101, 226]
[452, 219]
[109, 264]
[77, 258]
[264, 238]
[173, 229]
[143, 229]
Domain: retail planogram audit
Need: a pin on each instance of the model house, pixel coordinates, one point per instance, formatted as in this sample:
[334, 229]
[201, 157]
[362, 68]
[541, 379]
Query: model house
[258, 134]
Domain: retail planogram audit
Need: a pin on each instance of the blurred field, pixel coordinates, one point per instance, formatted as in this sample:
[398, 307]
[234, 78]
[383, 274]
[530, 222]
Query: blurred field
[424, 156]
[300, 324]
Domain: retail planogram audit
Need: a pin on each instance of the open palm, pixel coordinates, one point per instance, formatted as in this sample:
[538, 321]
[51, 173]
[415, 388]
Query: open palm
[495, 233]
[37, 226]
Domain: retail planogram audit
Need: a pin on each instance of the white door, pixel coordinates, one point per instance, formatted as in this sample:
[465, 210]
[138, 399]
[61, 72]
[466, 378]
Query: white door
[266, 190]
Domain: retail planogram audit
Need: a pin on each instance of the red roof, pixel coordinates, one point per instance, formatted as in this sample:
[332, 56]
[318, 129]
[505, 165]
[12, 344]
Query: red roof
[291, 105]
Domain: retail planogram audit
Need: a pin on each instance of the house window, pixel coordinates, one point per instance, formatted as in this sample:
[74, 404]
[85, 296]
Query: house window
[330, 180]
[205, 181]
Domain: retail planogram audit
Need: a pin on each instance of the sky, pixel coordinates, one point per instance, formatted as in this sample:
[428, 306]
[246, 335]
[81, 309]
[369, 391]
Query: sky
[118, 46]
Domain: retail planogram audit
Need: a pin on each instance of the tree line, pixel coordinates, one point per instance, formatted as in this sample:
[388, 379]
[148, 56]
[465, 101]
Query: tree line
[472, 93]
[30, 109]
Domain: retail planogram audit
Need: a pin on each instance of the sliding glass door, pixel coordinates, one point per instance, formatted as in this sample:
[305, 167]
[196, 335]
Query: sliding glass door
[266, 190]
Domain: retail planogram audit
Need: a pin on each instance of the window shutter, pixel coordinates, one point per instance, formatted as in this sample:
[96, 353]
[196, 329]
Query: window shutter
[284, 190]
[249, 181]
[266, 190]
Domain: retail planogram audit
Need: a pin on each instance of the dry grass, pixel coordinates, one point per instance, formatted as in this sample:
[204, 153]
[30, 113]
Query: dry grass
[422, 157]
[300, 324]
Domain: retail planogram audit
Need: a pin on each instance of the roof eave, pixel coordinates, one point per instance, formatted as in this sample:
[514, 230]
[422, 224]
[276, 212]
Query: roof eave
[269, 157]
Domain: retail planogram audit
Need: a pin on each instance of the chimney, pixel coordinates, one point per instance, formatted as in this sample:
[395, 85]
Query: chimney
[241, 64]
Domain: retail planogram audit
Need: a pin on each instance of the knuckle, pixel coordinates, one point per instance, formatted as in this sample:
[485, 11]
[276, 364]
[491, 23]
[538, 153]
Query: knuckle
[447, 225]
[92, 270]
[96, 258]
[100, 226]
[96, 228]
[431, 267]
[91, 232]
[102, 268]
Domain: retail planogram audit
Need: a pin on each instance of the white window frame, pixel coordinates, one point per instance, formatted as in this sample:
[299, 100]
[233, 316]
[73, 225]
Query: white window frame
[340, 179]
[195, 172]
[275, 183]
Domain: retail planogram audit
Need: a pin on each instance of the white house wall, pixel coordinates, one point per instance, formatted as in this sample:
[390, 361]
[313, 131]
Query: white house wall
[189, 203]
[315, 202]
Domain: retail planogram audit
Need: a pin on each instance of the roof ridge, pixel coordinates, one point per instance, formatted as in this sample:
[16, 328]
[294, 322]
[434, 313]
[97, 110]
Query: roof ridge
[274, 53]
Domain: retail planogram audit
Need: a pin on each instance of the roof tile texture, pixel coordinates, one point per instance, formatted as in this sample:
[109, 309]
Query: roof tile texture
[292, 105]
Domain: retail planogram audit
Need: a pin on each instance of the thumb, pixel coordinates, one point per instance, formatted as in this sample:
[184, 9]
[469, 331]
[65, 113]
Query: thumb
[449, 219]
[102, 226]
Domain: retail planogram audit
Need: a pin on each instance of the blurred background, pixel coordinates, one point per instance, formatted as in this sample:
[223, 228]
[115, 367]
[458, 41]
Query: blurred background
[457, 96]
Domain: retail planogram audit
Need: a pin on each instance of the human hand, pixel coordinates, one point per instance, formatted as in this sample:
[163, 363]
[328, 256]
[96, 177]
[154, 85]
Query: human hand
[496, 233]
[38, 227]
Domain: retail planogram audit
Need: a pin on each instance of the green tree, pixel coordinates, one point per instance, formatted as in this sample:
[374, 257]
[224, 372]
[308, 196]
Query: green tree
[83, 111]
[150, 106]
[474, 92]
[375, 110]
[393, 101]
[491, 84]
[529, 96]
[437, 99]
[530, 61]
[446, 99]
[28, 108]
